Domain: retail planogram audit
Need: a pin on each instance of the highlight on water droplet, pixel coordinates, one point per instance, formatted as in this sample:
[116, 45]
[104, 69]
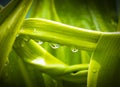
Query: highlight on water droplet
[74, 49]
[39, 61]
[54, 45]
[40, 42]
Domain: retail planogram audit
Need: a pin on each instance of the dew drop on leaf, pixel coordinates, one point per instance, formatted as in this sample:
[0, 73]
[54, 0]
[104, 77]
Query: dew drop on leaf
[54, 46]
[74, 49]
[40, 42]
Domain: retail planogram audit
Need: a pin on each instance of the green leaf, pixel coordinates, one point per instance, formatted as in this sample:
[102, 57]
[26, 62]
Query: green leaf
[11, 18]
[61, 67]
[41, 59]
[104, 66]
[59, 33]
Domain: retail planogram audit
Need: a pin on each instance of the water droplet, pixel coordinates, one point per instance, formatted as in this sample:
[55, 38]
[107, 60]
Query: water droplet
[74, 49]
[40, 42]
[54, 46]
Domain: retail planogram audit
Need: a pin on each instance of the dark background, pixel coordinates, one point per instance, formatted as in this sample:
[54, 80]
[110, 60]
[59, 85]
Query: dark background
[4, 2]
